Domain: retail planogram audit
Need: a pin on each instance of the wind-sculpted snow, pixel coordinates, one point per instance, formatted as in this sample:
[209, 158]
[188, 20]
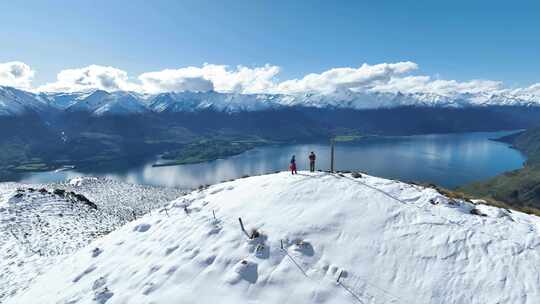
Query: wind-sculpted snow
[308, 238]
[41, 224]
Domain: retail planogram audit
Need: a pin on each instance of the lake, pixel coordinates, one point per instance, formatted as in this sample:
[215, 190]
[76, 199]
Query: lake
[449, 160]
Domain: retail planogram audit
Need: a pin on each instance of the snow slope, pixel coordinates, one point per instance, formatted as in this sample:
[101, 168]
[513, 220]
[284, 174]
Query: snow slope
[223, 102]
[17, 102]
[391, 242]
[102, 103]
[39, 228]
[62, 100]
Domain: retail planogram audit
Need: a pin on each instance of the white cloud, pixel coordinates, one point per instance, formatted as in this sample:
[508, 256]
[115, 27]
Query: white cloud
[531, 90]
[16, 74]
[366, 76]
[424, 84]
[91, 77]
[184, 79]
[220, 78]
[384, 77]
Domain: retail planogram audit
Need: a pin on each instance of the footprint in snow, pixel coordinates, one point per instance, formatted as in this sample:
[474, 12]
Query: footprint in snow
[99, 283]
[303, 247]
[84, 273]
[258, 246]
[243, 270]
[171, 270]
[149, 288]
[214, 230]
[171, 249]
[102, 296]
[190, 254]
[96, 252]
[154, 268]
[206, 261]
[215, 191]
[142, 227]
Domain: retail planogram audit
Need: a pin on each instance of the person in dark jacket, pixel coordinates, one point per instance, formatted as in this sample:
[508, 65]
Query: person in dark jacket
[312, 162]
[293, 165]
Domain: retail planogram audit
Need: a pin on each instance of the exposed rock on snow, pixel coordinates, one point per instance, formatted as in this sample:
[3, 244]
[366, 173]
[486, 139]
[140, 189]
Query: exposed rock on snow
[345, 240]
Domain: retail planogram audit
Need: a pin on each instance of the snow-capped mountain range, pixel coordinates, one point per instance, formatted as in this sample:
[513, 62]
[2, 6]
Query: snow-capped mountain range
[99, 102]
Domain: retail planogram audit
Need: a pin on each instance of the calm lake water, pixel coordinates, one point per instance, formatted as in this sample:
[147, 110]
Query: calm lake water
[446, 159]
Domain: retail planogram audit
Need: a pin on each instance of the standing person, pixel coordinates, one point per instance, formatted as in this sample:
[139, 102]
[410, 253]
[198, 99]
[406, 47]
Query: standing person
[312, 162]
[293, 165]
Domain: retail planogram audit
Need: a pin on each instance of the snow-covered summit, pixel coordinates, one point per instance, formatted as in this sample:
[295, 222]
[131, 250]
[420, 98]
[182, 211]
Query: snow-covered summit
[308, 238]
[101, 103]
[223, 102]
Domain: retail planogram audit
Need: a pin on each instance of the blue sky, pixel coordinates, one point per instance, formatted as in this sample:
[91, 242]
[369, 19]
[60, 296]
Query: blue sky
[461, 40]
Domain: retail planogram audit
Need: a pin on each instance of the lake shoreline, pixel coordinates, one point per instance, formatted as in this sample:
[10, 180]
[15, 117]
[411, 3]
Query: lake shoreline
[448, 160]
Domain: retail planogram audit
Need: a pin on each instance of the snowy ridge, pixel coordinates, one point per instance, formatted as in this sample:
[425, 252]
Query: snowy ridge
[223, 102]
[99, 102]
[345, 240]
[40, 226]
[63, 101]
[102, 103]
[16, 102]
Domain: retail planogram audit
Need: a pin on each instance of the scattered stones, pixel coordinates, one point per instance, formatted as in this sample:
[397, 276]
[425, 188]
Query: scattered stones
[477, 211]
[84, 200]
[18, 195]
[356, 175]
[453, 202]
[59, 192]
[75, 197]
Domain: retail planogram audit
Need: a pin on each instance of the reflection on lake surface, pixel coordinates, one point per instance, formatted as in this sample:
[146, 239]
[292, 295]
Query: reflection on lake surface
[445, 159]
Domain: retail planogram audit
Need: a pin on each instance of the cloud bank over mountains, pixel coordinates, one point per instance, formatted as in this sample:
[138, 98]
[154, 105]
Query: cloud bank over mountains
[16, 74]
[377, 78]
[90, 77]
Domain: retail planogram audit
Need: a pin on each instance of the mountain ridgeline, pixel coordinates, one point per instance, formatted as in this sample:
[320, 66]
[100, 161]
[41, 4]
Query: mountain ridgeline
[47, 130]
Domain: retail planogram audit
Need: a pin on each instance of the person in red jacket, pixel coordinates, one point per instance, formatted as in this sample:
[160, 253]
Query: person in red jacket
[312, 162]
[293, 165]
